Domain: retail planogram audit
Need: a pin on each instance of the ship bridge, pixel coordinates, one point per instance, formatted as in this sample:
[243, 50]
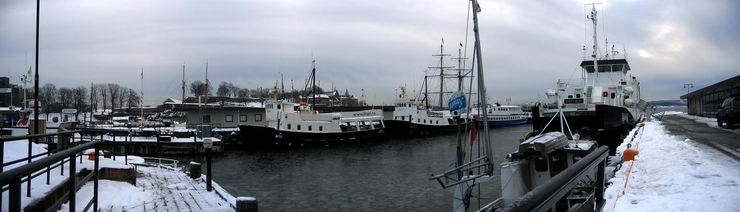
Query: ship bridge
[607, 66]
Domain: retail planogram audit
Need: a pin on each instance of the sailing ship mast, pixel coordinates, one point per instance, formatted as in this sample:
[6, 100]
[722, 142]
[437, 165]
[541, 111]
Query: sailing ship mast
[441, 68]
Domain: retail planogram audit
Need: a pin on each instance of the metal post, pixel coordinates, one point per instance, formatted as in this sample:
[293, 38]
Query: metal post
[36, 95]
[97, 175]
[14, 202]
[114, 141]
[48, 170]
[71, 184]
[28, 183]
[209, 178]
[125, 149]
[2, 155]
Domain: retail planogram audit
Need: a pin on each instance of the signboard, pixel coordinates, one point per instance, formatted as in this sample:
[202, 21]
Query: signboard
[69, 110]
[457, 103]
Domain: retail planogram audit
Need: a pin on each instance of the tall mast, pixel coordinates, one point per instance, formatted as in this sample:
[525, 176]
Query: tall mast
[206, 90]
[460, 69]
[313, 84]
[482, 86]
[426, 91]
[141, 103]
[595, 54]
[183, 83]
[441, 68]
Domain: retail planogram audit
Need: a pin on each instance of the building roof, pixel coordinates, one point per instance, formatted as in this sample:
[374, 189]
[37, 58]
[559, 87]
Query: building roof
[725, 84]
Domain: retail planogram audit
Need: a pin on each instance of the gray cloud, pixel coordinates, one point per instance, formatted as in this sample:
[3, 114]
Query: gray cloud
[371, 45]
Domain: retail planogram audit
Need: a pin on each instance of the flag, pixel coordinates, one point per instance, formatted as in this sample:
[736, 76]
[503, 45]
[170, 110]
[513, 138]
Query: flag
[473, 131]
[461, 44]
[142, 74]
[476, 7]
[29, 71]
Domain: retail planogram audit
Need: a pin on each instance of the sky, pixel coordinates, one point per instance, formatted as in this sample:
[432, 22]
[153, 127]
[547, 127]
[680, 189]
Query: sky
[366, 47]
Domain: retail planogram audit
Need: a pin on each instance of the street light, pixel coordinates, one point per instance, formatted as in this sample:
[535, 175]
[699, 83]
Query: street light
[688, 87]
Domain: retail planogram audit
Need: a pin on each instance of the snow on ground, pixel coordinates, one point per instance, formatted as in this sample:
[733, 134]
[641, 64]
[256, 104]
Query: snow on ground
[712, 122]
[673, 174]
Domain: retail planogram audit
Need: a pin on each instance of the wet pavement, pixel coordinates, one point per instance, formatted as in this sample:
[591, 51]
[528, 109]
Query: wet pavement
[726, 141]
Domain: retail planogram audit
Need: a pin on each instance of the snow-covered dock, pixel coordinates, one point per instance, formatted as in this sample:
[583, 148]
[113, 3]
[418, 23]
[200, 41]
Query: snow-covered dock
[673, 173]
[159, 189]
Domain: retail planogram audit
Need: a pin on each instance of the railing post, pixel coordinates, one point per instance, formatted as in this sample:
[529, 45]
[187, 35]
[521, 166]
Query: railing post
[2, 155]
[71, 184]
[48, 170]
[125, 149]
[28, 183]
[14, 202]
[209, 186]
[95, 184]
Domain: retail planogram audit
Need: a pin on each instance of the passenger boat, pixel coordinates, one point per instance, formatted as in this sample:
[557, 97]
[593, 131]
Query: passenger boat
[501, 115]
[290, 124]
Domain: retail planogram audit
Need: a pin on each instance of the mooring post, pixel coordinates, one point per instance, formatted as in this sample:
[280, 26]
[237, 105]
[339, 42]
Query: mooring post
[207, 145]
[97, 176]
[246, 204]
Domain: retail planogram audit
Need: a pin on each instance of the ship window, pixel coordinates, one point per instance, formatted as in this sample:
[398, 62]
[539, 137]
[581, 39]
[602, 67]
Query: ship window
[570, 96]
[540, 164]
[278, 107]
[614, 95]
[437, 121]
[206, 119]
[229, 118]
[242, 118]
[578, 95]
[310, 128]
[258, 117]
[403, 118]
[298, 127]
[321, 128]
[288, 126]
[418, 120]
[425, 121]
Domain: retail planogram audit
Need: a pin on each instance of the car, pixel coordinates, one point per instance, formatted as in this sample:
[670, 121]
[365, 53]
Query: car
[729, 112]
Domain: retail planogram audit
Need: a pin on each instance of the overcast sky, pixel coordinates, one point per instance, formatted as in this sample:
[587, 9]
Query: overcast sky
[375, 45]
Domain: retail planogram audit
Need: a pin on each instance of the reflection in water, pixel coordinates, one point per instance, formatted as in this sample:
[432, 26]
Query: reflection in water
[384, 175]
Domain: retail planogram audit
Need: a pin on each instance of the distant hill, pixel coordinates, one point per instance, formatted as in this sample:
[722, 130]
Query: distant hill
[668, 103]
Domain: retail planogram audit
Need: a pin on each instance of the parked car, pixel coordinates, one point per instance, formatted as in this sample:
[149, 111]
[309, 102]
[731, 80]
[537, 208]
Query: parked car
[729, 112]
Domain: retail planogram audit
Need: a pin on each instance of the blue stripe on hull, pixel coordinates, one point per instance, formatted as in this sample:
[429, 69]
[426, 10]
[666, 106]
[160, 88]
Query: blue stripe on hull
[499, 123]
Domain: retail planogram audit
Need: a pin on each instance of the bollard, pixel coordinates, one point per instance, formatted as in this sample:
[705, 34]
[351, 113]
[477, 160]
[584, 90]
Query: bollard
[195, 170]
[246, 204]
[629, 154]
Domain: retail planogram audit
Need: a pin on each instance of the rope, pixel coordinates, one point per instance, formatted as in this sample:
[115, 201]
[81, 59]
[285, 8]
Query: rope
[629, 170]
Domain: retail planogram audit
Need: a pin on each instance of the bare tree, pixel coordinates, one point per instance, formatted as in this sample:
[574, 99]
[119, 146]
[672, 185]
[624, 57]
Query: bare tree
[48, 96]
[122, 96]
[114, 90]
[79, 95]
[102, 91]
[225, 89]
[198, 88]
[65, 97]
[133, 98]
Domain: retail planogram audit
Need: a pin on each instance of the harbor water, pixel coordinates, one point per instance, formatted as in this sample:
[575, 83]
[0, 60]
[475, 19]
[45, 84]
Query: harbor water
[390, 174]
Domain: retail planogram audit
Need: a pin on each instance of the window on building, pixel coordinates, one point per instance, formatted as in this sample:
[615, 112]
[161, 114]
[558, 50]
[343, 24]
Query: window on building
[206, 119]
[229, 118]
[243, 118]
[258, 117]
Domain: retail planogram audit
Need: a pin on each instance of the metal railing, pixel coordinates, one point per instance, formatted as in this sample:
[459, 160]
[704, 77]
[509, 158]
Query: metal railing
[545, 197]
[10, 180]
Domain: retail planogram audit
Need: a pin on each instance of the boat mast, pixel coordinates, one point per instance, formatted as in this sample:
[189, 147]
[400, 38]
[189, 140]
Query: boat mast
[183, 82]
[426, 95]
[441, 68]
[482, 87]
[595, 54]
[313, 84]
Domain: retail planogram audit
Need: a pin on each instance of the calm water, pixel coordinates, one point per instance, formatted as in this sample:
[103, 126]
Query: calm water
[383, 175]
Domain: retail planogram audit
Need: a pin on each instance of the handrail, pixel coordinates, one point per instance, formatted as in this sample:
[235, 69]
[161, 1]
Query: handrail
[44, 135]
[545, 196]
[8, 176]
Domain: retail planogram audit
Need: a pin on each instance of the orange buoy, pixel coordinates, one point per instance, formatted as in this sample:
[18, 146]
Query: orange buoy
[91, 155]
[629, 154]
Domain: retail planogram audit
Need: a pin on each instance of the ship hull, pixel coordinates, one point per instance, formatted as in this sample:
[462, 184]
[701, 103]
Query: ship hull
[608, 125]
[270, 137]
[507, 123]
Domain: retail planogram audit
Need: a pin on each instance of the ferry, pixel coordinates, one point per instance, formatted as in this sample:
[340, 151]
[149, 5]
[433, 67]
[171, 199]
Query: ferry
[603, 104]
[411, 117]
[501, 115]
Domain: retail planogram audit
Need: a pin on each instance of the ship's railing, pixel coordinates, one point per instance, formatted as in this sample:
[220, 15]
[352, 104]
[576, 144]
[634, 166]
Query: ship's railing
[546, 196]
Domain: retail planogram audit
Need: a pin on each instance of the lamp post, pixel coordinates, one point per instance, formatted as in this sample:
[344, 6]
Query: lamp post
[688, 87]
